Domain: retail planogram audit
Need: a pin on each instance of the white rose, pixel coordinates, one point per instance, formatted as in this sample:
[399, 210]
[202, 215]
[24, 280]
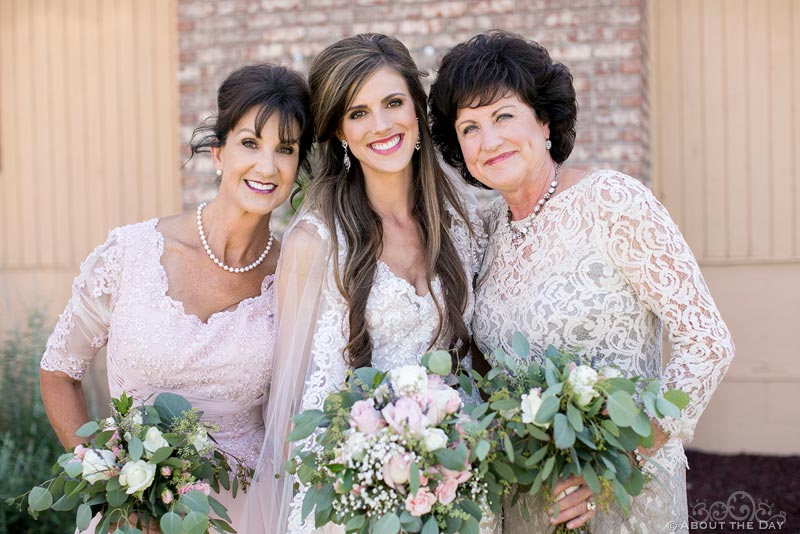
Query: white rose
[356, 446]
[530, 405]
[434, 439]
[199, 440]
[153, 441]
[137, 476]
[583, 379]
[98, 465]
[611, 372]
[409, 380]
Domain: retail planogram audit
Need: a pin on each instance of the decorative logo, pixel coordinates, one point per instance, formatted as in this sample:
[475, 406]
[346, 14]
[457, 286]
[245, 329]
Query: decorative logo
[741, 512]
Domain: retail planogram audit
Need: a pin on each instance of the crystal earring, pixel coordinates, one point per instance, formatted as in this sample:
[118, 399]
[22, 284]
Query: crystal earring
[418, 144]
[548, 144]
[346, 158]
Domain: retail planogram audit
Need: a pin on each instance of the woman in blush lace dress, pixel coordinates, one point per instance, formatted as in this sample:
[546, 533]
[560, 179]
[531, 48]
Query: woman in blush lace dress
[378, 267]
[185, 303]
[586, 261]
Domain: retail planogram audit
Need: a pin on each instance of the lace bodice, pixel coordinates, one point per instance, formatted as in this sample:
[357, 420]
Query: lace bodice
[602, 268]
[402, 324]
[120, 299]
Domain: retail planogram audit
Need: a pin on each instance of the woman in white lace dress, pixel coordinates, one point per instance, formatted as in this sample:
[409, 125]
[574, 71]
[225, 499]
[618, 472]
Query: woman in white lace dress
[589, 262]
[185, 303]
[378, 267]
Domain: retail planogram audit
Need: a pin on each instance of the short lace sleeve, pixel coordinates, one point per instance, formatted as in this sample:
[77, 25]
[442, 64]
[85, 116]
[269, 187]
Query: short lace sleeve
[642, 240]
[82, 328]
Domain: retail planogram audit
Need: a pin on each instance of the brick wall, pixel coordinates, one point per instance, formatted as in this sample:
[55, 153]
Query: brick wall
[603, 42]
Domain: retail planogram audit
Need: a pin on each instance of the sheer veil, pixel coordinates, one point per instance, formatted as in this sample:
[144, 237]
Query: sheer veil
[299, 285]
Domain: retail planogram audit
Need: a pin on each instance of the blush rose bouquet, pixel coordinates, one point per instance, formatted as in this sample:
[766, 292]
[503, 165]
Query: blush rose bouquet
[567, 417]
[157, 461]
[396, 452]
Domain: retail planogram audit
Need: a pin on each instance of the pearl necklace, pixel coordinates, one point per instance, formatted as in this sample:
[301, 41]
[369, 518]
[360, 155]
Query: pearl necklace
[518, 234]
[217, 260]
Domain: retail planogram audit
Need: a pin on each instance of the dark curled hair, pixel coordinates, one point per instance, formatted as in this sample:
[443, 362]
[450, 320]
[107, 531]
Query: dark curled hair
[270, 88]
[490, 66]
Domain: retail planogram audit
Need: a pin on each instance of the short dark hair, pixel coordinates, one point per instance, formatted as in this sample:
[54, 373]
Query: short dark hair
[488, 67]
[271, 89]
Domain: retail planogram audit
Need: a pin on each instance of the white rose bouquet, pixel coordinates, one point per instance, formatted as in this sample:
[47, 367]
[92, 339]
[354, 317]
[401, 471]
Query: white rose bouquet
[567, 418]
[396, 452]
[156, 461]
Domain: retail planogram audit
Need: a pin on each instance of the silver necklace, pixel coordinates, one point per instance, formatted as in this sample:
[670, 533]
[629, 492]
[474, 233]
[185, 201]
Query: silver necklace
[519, 233]
[217, 260]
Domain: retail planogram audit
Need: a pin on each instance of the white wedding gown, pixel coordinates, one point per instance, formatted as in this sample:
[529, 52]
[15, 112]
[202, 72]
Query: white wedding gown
[601, 269]
[401, 323]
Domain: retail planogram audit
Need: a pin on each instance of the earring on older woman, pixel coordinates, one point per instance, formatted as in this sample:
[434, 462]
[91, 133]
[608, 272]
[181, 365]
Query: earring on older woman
[346, 158]
[548, 144]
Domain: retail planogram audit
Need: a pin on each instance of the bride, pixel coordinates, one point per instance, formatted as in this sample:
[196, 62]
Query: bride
[378, 266]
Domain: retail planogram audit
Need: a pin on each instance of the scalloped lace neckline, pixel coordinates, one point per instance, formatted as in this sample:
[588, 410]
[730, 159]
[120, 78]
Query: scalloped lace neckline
[178, 306]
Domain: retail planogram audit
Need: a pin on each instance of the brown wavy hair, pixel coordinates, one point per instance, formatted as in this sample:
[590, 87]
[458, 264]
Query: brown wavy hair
[340, 198]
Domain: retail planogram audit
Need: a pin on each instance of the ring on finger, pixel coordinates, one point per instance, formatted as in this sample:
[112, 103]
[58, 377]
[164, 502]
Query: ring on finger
[591, 506]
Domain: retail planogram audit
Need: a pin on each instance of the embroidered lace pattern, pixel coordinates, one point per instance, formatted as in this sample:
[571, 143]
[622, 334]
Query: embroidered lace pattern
[401, 325]
[601, 270]
[120, 299]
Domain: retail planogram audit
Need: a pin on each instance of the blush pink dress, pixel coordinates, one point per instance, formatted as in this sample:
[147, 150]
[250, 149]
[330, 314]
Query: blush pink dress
[222, 366]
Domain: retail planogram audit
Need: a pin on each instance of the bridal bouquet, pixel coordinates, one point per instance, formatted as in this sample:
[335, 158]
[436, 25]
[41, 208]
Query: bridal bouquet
[396, 452]
[155, 461]
[567, 417]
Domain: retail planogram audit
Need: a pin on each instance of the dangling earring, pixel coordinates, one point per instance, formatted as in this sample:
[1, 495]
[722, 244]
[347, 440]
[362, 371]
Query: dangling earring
[346, 158]
[418, 144]
[548, 144]
[219, 176]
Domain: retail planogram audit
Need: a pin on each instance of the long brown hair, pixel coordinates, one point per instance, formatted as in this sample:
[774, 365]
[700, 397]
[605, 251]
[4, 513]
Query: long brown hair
[340, 197]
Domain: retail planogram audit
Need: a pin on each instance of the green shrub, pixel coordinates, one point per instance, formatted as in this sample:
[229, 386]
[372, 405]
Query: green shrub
[28, 445]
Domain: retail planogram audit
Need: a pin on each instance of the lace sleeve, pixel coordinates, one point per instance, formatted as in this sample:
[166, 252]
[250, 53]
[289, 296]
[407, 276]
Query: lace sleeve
[82, 328]
[644, 242]
[308, 365]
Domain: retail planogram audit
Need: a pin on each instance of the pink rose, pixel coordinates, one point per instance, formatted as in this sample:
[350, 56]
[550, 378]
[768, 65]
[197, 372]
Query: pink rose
[397, 470]
[453, 404]
[166, 470]
[405, 415]
[80, 452]
[421, 503]
[167, 496]
[446, 491]
[197, 486]
[365, 418]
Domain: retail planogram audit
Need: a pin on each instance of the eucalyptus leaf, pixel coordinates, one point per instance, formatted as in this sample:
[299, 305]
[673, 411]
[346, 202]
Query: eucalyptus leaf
[641, 425]
[88, 429]
[195, 523]
[135, 448]
[431, 526]
[548, 467]
[508, 448]
[574, 417]
[678, 398]
[40, 499]
[563, 434]
[520, 345]
[592, 480]
[83, 517]
[667, 409]
[388, 524]
[171, 523]
[171, 406]
[354, 523]
[306, 423]
[482, 449]
[413, 477]
[161, 454]
[196, 501]
[465, 383]
[547, 410]
[621, 408]
[470, 526]
[73, 469]
[440, 363]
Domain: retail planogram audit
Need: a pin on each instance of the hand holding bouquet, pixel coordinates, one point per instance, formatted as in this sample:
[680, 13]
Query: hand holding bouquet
[396, 453]
[149, 462]
[567, 418]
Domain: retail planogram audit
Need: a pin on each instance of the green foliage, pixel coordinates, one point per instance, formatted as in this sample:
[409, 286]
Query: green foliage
[28, 445]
